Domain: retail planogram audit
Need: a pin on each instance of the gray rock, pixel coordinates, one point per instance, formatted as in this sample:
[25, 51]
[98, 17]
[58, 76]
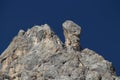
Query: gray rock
[93, 75]
[38, 54]
[72, 33]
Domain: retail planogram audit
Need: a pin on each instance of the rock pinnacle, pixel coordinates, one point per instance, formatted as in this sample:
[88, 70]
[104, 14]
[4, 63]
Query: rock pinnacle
[72, 34]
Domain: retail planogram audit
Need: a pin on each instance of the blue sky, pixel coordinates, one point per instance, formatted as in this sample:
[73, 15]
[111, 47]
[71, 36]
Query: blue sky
[99, 19]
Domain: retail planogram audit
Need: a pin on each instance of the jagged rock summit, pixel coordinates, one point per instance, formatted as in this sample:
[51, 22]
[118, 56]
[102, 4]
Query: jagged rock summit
[39, 54]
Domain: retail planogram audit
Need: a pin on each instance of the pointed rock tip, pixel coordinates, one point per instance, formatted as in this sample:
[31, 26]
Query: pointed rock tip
[46, 26]
[21, 32]
[43, 27]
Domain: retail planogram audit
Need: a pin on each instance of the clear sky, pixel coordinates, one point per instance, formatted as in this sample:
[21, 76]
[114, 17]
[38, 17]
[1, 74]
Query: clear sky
[99, 19]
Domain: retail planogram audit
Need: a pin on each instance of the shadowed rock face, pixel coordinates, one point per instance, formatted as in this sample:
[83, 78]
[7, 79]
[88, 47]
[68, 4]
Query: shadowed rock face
[39, 54]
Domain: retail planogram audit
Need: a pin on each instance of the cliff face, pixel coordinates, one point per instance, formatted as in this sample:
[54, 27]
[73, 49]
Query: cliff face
[39, 54]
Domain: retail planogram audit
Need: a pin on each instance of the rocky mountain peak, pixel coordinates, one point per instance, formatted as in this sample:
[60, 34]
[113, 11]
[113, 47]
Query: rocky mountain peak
[39, 54]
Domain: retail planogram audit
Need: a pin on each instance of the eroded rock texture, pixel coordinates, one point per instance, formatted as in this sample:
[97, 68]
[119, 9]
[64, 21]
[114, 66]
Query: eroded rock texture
[72, 35]
[38, 54]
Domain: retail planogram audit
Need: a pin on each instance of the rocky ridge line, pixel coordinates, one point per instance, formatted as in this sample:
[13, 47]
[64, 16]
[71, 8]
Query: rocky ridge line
[39, 54]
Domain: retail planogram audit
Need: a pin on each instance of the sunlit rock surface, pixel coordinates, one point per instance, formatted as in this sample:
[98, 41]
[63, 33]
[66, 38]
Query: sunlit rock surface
[39, 54]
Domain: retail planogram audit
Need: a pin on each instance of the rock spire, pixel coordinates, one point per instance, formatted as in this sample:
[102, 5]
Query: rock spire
[72, 34]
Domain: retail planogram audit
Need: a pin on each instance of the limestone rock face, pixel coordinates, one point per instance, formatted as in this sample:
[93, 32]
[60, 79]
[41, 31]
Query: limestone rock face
[39, 54]
[72, 34]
